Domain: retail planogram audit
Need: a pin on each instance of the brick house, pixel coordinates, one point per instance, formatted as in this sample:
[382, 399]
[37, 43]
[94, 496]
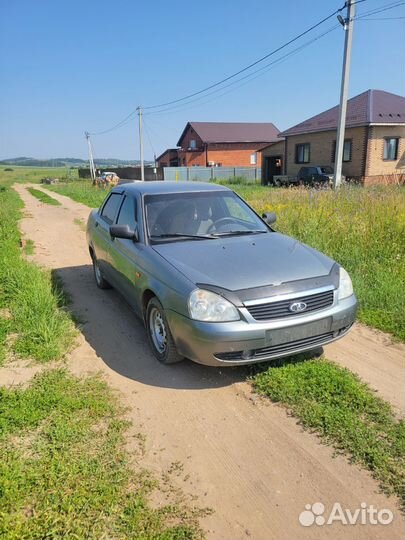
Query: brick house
[226, 144]
[374, 148]
[169, 158]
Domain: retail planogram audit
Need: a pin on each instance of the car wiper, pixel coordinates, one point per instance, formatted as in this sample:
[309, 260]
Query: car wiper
[181, 235]
[238, 233]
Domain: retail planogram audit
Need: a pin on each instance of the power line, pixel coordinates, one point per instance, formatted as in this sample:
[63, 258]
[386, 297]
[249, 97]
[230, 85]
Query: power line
[382, 19]
[116, 126]
[249, 76]
[272, 53]
[218, 83]
[148, 136]
[381, 9]
[261, 71]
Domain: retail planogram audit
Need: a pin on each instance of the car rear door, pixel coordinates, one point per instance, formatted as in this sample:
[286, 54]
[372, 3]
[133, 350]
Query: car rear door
[102, 240]
[127, 255]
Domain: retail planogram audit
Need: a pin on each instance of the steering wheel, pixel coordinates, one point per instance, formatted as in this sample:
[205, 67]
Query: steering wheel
[222, 220]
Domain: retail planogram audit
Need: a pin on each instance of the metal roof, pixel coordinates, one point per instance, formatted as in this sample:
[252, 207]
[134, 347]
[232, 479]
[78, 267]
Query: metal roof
[233, 132]
[167, 151]
[370, 107]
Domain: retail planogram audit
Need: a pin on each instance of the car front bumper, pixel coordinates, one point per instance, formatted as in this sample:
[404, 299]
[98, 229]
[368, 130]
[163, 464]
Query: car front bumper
[248, 342]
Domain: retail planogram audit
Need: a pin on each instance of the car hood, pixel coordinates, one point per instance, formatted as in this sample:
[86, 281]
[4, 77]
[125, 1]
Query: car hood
[243, 262]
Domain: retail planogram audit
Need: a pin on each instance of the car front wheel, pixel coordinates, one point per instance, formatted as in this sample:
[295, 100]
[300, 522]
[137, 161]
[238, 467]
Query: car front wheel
[159, 335]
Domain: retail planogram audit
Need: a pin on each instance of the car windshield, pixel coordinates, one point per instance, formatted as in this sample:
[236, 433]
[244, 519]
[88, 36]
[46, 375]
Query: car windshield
[326, 170]
[199, 215]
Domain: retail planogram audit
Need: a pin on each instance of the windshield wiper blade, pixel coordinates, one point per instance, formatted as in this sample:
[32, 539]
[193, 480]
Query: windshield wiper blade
[181, 235]
[238, 233]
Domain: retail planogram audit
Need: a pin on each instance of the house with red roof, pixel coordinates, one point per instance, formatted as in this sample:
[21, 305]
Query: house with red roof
[221, 144]
[374, 145]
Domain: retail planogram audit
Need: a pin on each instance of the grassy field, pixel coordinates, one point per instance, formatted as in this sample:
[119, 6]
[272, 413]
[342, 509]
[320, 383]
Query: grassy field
[364, 230]
[81, 191]
[361, 228]
[64, 472]
[34, 175]
[334, 403]
[43, 197]
[32, 325]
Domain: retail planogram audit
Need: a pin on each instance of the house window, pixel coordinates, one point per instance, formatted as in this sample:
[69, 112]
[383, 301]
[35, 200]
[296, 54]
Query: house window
[391, 148]
[193, 144]
[347, 151]
[253, 158]
[302, 153]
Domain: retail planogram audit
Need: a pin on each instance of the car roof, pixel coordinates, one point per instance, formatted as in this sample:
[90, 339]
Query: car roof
[160, 187]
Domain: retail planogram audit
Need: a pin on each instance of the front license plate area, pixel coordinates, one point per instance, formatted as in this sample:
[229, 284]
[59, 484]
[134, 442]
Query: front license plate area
[295, 333]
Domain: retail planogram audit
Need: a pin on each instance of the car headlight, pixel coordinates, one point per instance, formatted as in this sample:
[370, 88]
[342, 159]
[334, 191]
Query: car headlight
[208, 306]
[345, 284]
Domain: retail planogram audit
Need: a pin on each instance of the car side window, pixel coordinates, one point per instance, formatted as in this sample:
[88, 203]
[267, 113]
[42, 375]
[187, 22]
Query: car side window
[110, 208]
[127, 215]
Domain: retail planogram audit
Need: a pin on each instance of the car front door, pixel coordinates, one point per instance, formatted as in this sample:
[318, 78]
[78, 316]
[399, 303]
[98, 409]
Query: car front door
[303, 175]
[312, 173]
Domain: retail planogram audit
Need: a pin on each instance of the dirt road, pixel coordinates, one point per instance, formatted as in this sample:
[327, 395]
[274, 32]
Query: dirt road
[242, 456]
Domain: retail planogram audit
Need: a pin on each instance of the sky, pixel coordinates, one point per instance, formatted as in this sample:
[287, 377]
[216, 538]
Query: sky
[67, 66]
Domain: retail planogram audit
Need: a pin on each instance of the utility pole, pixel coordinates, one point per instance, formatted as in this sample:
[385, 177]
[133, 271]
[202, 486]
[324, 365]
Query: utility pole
[91, 160]
[139, 109]
[347, 24]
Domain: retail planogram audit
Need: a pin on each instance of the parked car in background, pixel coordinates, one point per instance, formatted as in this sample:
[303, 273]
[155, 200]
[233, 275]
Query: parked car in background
[315, 175]
[211, 280]
[107, 179]
[318, 176]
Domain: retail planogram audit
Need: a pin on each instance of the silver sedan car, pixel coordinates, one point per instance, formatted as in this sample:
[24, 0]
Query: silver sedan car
[211, 280]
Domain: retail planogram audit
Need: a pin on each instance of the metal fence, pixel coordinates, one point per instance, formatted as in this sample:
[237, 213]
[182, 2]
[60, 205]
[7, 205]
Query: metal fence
[207, 174]
[128, 173]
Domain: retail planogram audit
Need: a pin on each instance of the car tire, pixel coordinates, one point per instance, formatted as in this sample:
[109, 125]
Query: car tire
[100, 280]
[159, 335]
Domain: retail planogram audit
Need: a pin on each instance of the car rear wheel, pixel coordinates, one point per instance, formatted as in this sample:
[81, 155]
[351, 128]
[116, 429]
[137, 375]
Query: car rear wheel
[101, 282]
[159, 335]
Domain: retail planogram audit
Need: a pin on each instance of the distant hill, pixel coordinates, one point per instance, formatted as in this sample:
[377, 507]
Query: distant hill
[68, 162]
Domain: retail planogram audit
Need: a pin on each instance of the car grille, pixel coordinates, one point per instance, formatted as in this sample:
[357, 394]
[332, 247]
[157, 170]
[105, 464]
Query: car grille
[277, 310]
[292, 346]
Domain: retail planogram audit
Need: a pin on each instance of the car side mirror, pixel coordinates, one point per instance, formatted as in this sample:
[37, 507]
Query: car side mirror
[124, 231]
[269, 217]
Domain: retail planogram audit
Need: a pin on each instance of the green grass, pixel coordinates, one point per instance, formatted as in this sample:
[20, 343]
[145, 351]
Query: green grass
[43, 197]
[81, 191]
[363, 229]
[34, 175]
[29, 247]
[334, 403]
[32, 325]
[64, 471]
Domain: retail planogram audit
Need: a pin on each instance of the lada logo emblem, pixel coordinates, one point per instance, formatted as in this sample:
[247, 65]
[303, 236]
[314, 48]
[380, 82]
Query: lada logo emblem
[297, 307]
